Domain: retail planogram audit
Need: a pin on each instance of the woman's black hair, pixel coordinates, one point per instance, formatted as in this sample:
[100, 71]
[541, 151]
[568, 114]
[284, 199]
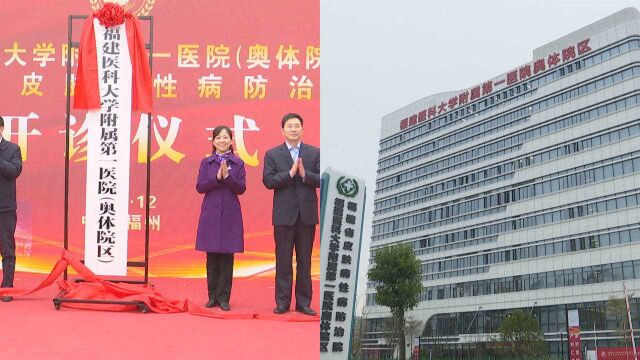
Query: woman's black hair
[216, 131]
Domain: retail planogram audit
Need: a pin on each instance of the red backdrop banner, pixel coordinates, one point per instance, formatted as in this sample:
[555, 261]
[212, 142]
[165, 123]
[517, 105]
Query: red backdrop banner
[243, 64]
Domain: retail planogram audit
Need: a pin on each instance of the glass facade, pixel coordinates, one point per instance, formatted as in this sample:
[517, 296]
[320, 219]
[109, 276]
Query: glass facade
[529, 190]
[442, 332]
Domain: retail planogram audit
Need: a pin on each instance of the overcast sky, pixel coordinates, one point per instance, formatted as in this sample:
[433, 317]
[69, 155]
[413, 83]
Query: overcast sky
[378, 56]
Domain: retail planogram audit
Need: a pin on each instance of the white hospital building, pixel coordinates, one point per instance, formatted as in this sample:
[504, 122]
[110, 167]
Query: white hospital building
[521, 192]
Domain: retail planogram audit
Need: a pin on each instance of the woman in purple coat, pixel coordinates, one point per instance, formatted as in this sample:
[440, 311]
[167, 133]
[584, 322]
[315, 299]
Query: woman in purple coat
[220, 232]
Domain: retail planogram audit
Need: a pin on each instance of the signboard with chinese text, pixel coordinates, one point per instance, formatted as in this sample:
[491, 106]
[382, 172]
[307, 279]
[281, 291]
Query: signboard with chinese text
[233, 63]
[575, 344]
[616, 353]
[343, 200]
[108, 153]
[415, 346]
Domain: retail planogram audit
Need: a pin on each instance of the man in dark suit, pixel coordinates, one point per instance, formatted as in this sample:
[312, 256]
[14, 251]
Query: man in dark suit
[292, 170]
[10, 169]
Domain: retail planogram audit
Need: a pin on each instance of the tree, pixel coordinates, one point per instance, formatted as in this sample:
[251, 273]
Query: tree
[413, 327]
[390, 333]
[359, 325]
[521, 336]
[396, 272]
[359, 328]
[617, 309]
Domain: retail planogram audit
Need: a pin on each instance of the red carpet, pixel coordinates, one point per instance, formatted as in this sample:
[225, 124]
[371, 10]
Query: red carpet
[33, 329]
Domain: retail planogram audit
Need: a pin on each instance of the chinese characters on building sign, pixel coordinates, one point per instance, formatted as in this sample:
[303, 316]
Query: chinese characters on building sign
[512, 77]
[341, 232]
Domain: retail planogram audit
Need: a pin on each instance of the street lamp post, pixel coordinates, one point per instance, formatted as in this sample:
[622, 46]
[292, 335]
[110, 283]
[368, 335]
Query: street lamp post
[633, 340]
[474, 317]
[595, 336]
[471, 323]
[532, 306]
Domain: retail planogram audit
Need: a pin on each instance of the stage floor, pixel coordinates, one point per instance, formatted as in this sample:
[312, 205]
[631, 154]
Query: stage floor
[33, 329]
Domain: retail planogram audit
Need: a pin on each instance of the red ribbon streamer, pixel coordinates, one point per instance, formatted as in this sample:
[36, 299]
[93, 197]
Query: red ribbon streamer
[94, 288]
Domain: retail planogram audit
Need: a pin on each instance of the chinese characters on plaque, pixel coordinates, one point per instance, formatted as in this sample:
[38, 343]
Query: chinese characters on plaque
[343, 199]
[108, 155]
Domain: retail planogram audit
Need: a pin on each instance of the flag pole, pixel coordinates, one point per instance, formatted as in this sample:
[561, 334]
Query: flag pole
[633, 340]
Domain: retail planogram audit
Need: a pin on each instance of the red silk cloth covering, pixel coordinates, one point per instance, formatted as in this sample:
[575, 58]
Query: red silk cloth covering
[94, 288]
[87, 92]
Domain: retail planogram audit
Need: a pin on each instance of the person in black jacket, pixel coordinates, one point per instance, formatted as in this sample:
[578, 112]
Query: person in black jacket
[292, 170]
[10, 169]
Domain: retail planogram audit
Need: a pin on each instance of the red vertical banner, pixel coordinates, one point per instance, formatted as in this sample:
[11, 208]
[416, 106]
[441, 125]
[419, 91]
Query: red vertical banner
[575, 352]
[416, 349]
[574, 343]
